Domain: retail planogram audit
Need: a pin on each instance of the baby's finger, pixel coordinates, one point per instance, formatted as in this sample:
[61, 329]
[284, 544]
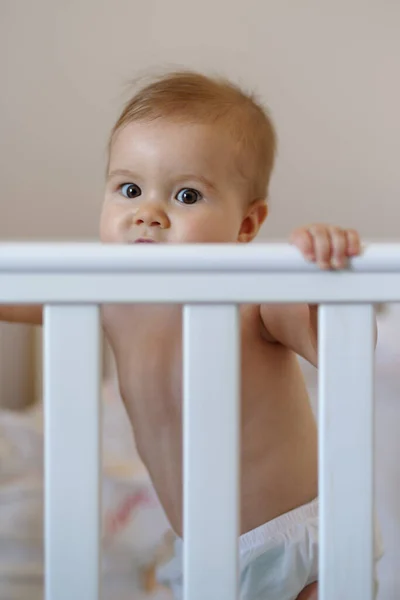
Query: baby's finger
[303, 240]
[353, 242]
[339, 247]
[322, 245]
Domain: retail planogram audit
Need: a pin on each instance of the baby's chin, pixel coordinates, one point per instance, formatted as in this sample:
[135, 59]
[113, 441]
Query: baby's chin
[106, 239]
[203, 239]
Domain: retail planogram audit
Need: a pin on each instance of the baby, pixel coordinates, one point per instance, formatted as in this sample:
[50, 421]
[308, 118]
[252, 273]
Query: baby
[190, 160]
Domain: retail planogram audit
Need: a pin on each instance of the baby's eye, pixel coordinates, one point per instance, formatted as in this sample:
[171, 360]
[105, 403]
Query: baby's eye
[130, 190]
[188, 196]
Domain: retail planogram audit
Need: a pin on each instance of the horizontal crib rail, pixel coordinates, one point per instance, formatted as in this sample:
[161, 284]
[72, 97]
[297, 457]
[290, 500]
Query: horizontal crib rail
[93, 257]
[97, 273]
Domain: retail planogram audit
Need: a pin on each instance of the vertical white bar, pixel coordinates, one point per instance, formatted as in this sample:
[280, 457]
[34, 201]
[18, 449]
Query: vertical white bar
[211, 440]
[72, 452]
[346, 442]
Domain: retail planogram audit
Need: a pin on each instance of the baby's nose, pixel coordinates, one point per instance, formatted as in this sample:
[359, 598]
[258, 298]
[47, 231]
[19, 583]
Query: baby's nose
[151, 217]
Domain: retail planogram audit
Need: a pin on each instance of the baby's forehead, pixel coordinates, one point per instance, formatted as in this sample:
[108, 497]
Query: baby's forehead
[175, 145]
[171, 130]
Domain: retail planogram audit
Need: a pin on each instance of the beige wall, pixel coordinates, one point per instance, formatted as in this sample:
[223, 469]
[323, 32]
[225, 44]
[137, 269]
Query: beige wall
[329, 69]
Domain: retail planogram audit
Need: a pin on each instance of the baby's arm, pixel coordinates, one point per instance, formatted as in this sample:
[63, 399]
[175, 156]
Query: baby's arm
[21, 313]
[296, 325]
[293, 326]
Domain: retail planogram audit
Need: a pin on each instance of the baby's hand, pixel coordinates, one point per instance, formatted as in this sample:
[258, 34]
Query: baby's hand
[328, 246]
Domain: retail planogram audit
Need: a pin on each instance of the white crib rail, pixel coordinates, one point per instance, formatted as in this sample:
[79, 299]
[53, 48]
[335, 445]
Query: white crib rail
[72, 452]
[346, 442]
[211, 280]
[211, 451]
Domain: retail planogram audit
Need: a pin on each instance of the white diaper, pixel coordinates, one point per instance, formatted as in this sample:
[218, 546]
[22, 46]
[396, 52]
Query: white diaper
[277, 560]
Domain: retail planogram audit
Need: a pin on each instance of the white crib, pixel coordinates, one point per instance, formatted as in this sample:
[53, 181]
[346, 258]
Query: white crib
[73, 279]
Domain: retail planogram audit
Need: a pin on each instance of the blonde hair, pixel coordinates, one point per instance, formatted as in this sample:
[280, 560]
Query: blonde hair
[187, 96]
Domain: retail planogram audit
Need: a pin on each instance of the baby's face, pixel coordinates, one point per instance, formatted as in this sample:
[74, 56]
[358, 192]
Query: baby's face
[173, 183]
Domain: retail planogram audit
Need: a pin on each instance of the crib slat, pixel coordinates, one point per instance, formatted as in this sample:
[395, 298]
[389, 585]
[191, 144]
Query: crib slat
[72, 452]
[346, 362]
[211, 429]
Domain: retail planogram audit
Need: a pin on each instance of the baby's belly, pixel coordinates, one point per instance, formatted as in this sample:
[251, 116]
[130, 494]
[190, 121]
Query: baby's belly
[278, 466]
[281, 476]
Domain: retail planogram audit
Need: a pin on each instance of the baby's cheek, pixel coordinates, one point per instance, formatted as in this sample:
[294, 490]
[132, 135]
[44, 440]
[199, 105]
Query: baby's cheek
[219, 227]
[108, 228]
[105, 232]
[206, 230]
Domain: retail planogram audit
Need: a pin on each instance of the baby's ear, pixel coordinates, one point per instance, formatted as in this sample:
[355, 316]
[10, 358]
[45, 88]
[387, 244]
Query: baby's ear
[254, 217]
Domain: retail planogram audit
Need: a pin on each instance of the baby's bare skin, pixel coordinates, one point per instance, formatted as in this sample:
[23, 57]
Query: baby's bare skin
[279, 439]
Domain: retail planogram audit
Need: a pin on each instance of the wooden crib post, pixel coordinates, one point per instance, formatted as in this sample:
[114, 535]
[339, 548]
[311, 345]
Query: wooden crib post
[72, 452]
[211, 451]
[346, 448]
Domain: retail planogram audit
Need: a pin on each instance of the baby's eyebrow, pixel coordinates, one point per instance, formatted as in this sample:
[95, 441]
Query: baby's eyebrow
[200, 178]
[123, 173]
